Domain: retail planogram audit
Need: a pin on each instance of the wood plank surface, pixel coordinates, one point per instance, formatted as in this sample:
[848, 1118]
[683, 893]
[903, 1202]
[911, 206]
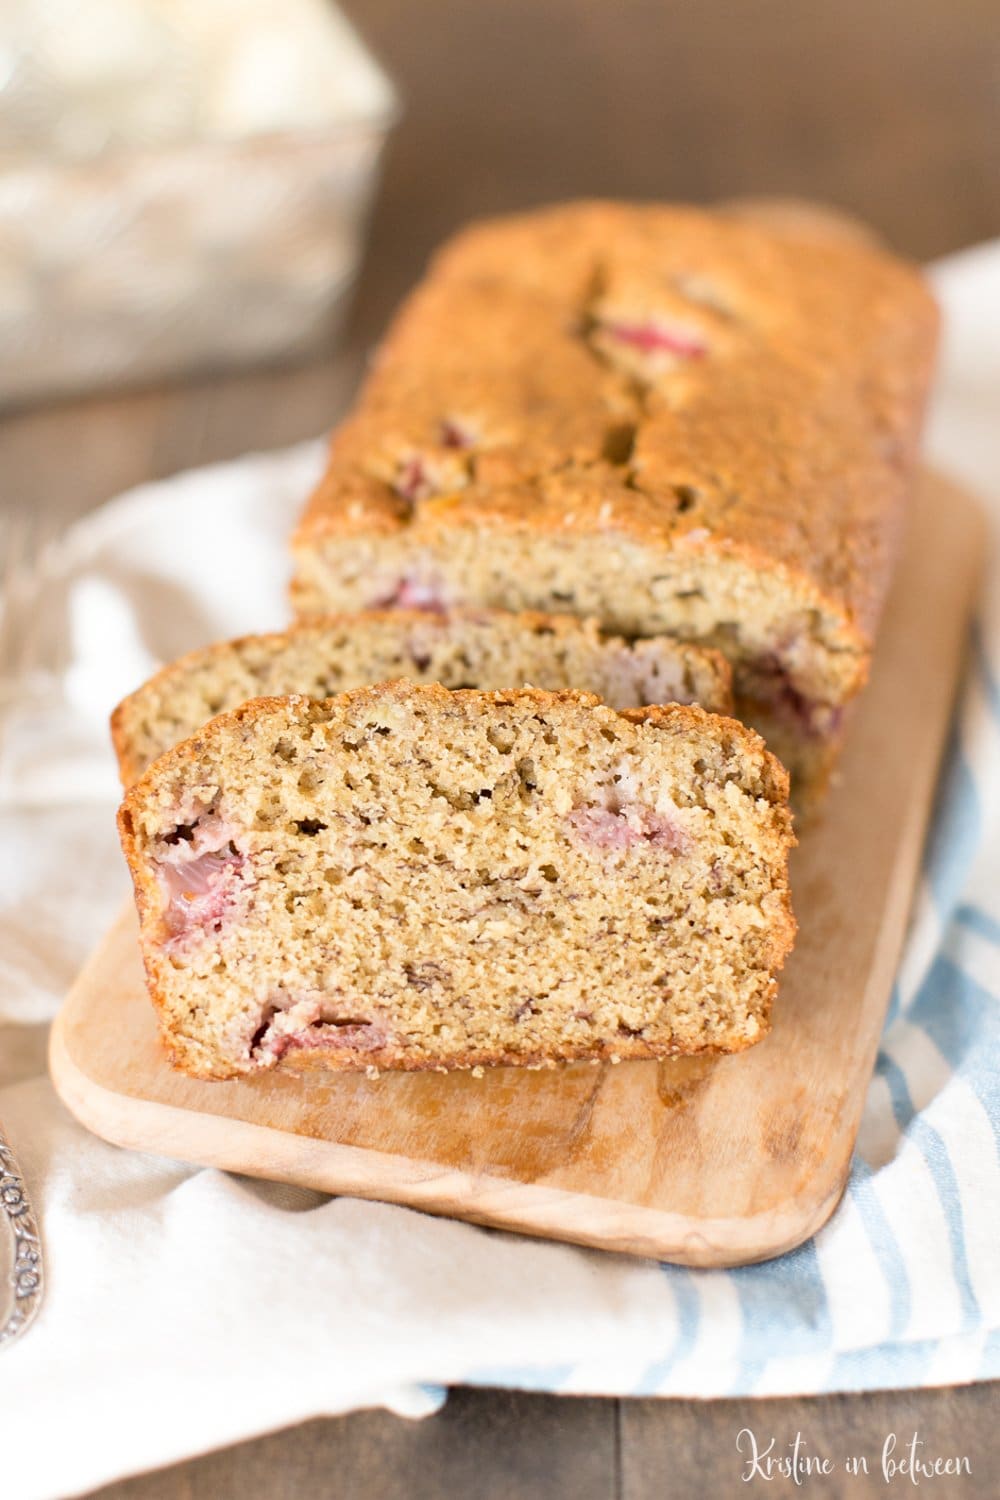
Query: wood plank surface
[703, 1162]
[510, 1445]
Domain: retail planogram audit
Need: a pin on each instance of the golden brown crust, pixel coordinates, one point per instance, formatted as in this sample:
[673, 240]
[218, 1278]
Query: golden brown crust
[788, 442]
[393, 1060]
[801, 218]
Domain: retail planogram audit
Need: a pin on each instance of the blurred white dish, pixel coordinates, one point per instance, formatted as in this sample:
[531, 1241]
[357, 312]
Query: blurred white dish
[182, 186]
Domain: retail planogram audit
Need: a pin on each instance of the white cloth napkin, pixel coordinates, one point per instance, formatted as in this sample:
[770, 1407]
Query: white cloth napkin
[187, 1309]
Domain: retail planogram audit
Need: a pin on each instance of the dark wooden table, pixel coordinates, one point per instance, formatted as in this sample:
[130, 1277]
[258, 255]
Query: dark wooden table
[891, 109]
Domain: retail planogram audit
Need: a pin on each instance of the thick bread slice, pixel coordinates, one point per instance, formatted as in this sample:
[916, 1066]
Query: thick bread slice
[406, 877]
[481, 649]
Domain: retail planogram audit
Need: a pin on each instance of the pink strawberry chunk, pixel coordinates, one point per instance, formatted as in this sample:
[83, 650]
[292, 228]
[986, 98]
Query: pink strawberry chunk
[456, 433]
[362, 1036]
[413, 481]
[300, 1025]
[608, 829]
[412, 593]
[200, 891]
[657, 337]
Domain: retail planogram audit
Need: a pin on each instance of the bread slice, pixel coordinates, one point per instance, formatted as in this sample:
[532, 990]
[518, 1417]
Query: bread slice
[483, 649]
[407, 877]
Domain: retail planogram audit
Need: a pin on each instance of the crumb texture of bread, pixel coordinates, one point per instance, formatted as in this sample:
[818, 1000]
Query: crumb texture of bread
[409, 877]
[483, 649]
[671, 419]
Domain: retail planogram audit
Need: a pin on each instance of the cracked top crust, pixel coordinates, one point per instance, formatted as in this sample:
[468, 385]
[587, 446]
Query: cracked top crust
[695, 381]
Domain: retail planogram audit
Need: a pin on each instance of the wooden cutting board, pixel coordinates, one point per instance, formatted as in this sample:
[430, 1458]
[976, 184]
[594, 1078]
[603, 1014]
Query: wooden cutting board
[707, 1163]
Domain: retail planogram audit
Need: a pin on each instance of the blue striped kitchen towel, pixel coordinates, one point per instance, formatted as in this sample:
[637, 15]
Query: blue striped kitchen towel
[201, 1308]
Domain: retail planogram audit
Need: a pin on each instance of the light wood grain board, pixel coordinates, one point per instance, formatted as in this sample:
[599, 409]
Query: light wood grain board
[706, 1163]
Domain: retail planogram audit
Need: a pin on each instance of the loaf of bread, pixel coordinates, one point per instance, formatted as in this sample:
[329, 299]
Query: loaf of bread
[673, 420]
[482, 649]
[407, 877]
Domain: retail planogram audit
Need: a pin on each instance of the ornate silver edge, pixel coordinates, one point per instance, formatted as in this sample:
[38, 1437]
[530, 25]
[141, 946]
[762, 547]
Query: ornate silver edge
[25, 1280]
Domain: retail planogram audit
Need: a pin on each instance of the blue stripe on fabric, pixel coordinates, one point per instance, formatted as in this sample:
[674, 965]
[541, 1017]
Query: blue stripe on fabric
[883, 1367]
[884, 1243]
[955, 831]
[990, 683]
[899, 1090]
[785, 1312]
[934, 1151]
[895, 1006]
[684, 1288]
[980, 922]
[963, 1021]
